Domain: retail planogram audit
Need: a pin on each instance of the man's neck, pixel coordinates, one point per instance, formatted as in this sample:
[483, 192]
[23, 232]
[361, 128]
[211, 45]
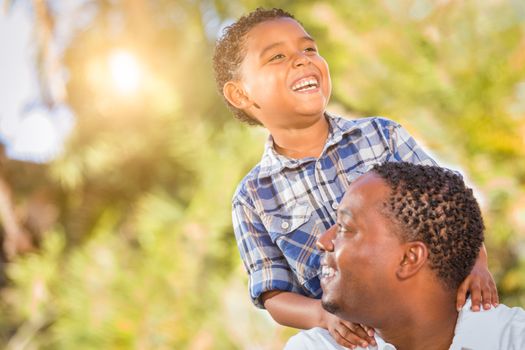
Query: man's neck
[301, 142]
[430, 327]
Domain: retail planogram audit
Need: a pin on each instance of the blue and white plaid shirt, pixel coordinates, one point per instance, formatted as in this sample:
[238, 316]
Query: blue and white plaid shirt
[282, 205]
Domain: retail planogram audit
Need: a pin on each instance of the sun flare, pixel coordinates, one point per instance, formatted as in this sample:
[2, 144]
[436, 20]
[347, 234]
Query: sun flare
[125, 70]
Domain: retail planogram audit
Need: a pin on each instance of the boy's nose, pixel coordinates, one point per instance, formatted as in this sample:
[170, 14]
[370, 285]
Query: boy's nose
[325, 241]
[301, 59]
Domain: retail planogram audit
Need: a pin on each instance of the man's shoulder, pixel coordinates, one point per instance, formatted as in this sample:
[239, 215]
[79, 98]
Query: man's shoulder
[501, 327]
[502, 315]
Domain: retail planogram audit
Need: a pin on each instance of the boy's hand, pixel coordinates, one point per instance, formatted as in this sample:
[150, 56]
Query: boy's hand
[348, 334]
[481, 286]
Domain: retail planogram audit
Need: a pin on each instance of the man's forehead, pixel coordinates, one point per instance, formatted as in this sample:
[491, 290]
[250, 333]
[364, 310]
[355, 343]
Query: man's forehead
[367, 190]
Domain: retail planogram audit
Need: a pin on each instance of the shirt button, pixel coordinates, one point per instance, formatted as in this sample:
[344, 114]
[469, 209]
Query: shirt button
[285, 225]
[335, 205]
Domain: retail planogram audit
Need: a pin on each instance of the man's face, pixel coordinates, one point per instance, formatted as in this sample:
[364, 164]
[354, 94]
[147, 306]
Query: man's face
[283, 74]
[358, 269]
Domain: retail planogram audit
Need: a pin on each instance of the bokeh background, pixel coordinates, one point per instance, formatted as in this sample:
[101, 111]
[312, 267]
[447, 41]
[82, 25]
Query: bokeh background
[118, 159]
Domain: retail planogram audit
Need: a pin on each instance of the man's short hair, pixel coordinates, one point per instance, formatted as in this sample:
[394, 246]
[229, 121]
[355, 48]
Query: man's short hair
[230, 51]
[432, 205]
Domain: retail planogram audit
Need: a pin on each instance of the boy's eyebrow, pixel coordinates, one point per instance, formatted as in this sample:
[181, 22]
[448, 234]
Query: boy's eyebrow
[271, 46]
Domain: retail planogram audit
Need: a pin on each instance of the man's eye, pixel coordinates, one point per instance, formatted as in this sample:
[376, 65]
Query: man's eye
[344, 230]
[310, 49]
[340, 230]
[276, 57]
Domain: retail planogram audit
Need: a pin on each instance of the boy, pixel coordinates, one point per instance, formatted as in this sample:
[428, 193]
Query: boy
[270, 73]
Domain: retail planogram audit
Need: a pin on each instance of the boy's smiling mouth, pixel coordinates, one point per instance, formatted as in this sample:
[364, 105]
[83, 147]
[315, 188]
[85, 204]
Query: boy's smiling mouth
[307, 83]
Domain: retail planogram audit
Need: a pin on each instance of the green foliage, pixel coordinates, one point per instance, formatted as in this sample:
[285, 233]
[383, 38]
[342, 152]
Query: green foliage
[142, 254]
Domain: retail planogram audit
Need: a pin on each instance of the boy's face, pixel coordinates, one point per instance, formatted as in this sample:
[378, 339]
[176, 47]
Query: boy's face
[283, 75]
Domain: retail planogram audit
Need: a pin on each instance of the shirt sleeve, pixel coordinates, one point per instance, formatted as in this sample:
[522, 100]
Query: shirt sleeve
[263, 260]
[404, 148]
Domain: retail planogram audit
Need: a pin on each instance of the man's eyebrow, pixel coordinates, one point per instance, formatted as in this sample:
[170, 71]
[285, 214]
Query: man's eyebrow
[271, 46]
[344, 212]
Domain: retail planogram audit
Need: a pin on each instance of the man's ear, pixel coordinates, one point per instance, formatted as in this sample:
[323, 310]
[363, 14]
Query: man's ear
[414, 258]
[235, 94]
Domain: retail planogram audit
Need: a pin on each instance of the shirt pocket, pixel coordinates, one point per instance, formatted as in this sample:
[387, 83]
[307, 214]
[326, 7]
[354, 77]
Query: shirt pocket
[293, 232]
[287, 221]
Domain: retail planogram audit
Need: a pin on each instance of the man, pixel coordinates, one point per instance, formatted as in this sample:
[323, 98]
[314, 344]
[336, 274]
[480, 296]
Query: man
[407, 236]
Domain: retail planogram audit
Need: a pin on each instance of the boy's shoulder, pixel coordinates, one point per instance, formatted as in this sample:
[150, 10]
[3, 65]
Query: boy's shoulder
[370, 127]
[269, 164]
[241, 192]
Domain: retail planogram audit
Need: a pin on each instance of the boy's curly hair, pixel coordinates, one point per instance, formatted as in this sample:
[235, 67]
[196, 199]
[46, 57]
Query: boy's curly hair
[229, 51]
[432, 205]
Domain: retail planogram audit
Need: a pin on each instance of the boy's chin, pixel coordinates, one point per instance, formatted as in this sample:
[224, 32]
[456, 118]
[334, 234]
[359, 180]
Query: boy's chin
[311, 111]
[312, 107]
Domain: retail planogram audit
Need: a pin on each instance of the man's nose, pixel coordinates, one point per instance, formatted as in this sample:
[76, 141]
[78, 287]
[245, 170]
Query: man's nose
[325, 240]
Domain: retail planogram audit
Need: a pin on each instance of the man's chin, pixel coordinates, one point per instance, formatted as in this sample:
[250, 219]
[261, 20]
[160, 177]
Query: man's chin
[329, 306]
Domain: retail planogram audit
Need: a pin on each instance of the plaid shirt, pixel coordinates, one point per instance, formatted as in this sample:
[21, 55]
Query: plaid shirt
[282, 205]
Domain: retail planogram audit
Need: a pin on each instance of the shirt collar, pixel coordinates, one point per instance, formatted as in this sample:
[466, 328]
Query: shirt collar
[382, 345]
[273, 162]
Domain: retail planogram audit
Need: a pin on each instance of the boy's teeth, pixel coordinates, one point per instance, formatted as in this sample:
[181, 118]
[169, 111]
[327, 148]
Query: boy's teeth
[305, 84]
[327, 271]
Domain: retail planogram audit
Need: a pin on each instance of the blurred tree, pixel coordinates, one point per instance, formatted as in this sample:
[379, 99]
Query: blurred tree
[137, 185]
[15, 239]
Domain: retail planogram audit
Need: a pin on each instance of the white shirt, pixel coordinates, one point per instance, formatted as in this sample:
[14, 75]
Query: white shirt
[497, 328]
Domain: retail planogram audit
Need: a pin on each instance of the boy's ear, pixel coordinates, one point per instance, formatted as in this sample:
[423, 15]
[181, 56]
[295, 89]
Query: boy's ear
[415, 256]
[235, 94]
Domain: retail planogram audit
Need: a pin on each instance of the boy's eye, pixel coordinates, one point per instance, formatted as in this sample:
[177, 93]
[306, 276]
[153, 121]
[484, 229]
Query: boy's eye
[311, 49]
[276, 57]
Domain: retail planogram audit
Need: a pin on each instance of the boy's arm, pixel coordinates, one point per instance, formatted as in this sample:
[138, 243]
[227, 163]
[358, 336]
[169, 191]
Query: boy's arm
[264, 262]
[271, 276]
[297, 311]
[480, 284]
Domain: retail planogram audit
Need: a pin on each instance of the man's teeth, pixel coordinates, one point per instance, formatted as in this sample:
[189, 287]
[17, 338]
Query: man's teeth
[327, 271]
[305, 84]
